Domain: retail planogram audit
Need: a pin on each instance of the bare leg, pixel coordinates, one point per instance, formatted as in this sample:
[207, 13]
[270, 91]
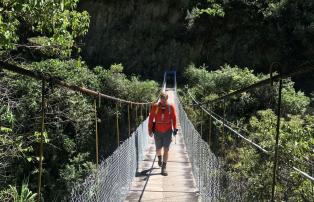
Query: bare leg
[165, 157]
[158, 152]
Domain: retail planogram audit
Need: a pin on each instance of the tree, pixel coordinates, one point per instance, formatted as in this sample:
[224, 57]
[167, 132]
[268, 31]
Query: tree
[50, 27]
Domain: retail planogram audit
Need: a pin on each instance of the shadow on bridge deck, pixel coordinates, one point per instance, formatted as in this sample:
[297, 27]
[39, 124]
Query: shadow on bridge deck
[179, 185]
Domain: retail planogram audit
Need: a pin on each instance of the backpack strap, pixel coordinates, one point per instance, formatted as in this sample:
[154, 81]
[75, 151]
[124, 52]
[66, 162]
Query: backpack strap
[169, 109]
[156, 111]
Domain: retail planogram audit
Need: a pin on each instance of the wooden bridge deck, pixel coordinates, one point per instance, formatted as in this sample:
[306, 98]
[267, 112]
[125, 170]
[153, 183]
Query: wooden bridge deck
[179, 185]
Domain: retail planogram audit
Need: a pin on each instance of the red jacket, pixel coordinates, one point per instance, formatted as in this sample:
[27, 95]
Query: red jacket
[165, 121]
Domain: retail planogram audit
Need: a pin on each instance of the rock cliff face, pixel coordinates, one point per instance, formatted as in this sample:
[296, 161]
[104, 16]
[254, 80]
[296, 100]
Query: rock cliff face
[147, 37]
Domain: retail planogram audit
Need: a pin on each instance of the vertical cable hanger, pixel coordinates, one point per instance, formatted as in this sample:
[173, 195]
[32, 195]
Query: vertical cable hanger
[136, 115]
[117, 125]
[96, 132]
[277, 134]
[141, 113]
[202, 117]
[224, 116]
[97, 140]
[41, 149]
[210, 127]
[129, 120]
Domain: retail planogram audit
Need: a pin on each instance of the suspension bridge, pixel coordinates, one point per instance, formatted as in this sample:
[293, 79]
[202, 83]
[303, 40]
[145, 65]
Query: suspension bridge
[131, 173]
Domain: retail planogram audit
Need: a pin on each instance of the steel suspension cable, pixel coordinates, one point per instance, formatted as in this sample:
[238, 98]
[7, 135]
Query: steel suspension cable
[49, 78]
[244, 138]
[264, 82]
[227, 126]
[95, 185]
[304, 174]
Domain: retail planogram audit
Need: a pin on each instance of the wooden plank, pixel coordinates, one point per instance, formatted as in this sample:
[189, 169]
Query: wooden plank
[179, 185]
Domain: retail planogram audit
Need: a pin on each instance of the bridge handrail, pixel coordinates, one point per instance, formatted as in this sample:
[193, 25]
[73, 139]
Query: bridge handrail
[114, 176]
[302, 173]
[264, 82]
[227, 126]
[207, 167]
[49, 78]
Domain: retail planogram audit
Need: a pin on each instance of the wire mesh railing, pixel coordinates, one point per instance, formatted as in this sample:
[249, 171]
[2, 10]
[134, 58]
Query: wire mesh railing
[289, 174]
[120, 168]
[241, 185]
[114, 176]
[211, 180]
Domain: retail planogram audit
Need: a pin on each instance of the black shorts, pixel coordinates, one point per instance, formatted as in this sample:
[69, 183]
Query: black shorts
[163, 139]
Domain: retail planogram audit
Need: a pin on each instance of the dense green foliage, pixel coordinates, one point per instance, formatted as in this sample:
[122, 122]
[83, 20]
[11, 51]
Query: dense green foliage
[69, 153]
[50, 27]
[12, 194]
[44, 36]
[148, 37]
[253, 114]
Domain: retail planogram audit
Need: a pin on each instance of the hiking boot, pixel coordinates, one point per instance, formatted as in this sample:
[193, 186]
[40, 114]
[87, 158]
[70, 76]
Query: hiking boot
[163, 169]
[159, 161]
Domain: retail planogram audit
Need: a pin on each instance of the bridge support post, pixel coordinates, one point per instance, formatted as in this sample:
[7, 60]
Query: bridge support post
[277, 139]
